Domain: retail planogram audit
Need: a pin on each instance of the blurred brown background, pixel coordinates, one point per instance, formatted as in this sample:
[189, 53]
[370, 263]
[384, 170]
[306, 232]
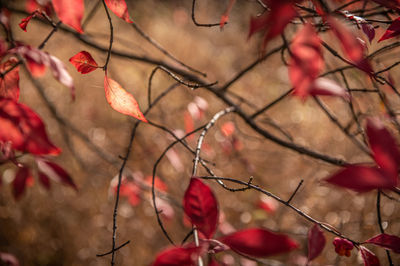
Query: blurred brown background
[62, 227]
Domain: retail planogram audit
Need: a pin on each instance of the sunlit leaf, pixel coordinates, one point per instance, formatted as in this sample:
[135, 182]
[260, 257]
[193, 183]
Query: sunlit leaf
[120, 100]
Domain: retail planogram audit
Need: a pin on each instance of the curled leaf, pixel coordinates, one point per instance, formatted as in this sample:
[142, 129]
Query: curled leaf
[20, 181]
[83, 62]
[120, 100]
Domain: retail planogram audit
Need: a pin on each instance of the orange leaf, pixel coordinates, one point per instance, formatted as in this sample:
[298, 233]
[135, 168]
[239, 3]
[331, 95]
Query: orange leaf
[120, 100]
[9, 84]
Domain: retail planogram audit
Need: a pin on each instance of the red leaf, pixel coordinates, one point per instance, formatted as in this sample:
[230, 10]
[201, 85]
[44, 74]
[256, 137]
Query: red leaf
[343, 247]
[200, 205]
[369, 30]
[38, 60]
[5, 15]
[225, 16]
[267, 204]
[392, 31]
[189, 125]
[119, 8]
[384, 148]
[258, 242]
[120, 100]
[83, 62]
[324, 86]
[361, 178]
[351, 46]
[44, 180]
[9, 84]
[274, 21]
[55, 172]
[40, 5]
[24, 22]
[386, 241]
[370, 259]
[178, 256]
[316, 242]
[24, 128]
[306, 61]
[20, 181]
[70, 12]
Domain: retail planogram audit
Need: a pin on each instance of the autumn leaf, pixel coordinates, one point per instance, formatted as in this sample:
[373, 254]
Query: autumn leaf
[370, 259]
[25, 21]
[37, 61]
[273, 22]
[306, 61]
[361, 178]
[351, 46]
[392, 31]
[393, 4]
[119, 8]
[316, 242]
[21, 181]
[9, 84]
[83, 62]
[200, 205]
[178, 256]
[54, 172]
[24, 128]
[257, 242]
[324, 86]
[70, 12]
[120, 100]
[386, 241]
